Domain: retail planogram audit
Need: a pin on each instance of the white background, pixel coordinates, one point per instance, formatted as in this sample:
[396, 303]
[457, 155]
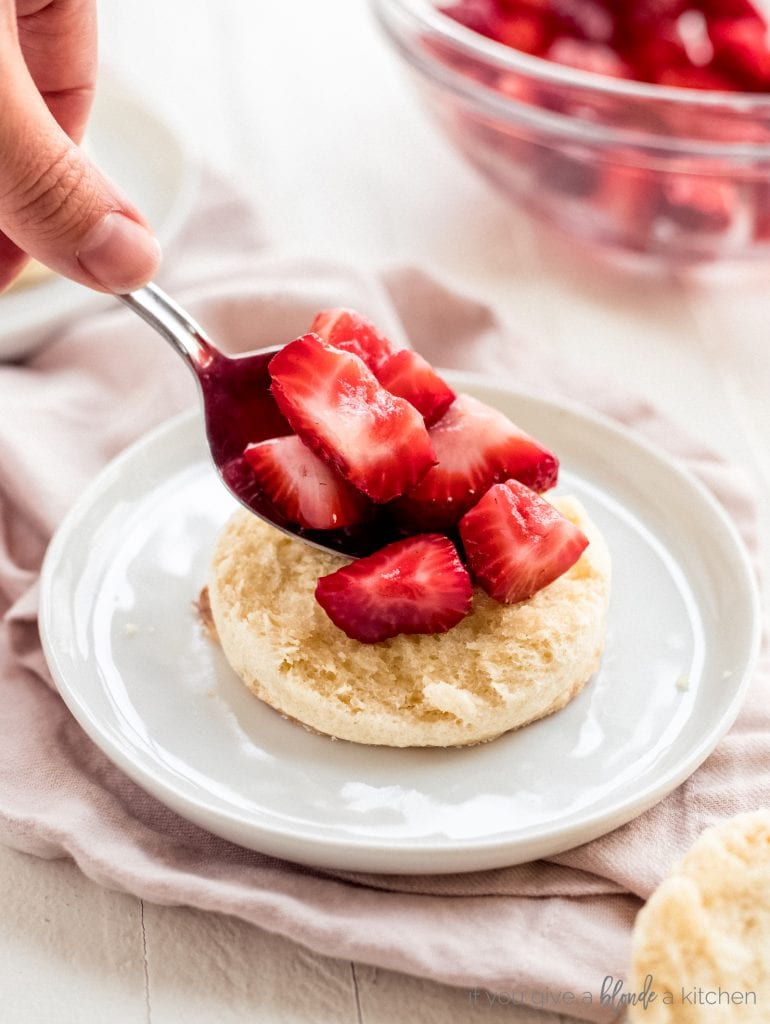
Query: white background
[301, 102]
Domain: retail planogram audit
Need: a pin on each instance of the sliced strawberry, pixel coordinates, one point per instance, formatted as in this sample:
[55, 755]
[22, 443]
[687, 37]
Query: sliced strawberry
[586, 19]
[734, 8]
[526, 31]
[566, 169]
[352, 332]
[409, 376]
[378, 442]
[626, 203]
[516, 542]
[657, 49]
[476, 446]
[635, 21]
[417, 585]
[586, 56]
[517, 88]
[693, 78]
[699, 203]
[651, 10]
[742, 49]
[480, 15]
[303, 488]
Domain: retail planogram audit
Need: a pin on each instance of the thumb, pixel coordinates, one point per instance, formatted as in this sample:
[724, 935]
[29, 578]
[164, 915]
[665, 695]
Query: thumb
[56, 206]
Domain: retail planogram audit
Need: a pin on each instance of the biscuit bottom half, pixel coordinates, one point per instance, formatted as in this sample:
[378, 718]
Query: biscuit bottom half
[500, 668]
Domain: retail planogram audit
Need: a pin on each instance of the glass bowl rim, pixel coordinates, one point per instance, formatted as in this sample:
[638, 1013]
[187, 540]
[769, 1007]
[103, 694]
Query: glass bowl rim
[506, 58]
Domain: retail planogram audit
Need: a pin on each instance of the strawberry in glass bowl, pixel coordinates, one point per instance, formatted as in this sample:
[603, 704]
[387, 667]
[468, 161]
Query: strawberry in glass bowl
[640, 128]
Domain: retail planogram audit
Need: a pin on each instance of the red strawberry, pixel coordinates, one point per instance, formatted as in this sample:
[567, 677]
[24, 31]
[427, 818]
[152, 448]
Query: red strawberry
[479, 15]
[651, 55]
[671, 51]
[760, 194]
[302, 487]
[409, 376]
[417, 585]
[476, 446]
[516, 88]
[734, 8]
[627, 202]
[516, 543]
[693, 78]
[378, 442]
[699, 203]
[586, 56]
[566, 169]
[348, 330]
[637, 19]
[586, 19]
[525, 31]
[742, 49]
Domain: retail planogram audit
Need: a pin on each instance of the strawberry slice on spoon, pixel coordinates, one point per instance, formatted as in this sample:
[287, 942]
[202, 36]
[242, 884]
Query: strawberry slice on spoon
[239, 410]
[303, 487]
[353, 332]
[409, 376]
[476, 446]
[376, 441]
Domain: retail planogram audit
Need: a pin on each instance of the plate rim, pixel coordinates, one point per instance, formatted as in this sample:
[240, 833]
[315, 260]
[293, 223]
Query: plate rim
[414, 856]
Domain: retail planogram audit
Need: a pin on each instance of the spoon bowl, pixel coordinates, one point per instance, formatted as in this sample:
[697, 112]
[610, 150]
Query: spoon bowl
[239, 409]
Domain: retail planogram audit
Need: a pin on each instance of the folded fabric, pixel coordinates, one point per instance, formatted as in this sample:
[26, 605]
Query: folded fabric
[559, 925]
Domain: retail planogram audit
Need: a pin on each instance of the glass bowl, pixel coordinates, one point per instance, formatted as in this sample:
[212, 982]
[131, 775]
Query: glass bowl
[656, 173]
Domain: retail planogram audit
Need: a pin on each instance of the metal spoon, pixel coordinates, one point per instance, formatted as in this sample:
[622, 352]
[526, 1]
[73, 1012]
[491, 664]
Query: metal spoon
[239, 410]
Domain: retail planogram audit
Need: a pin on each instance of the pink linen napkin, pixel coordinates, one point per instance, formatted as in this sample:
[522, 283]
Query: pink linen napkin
[535, 932]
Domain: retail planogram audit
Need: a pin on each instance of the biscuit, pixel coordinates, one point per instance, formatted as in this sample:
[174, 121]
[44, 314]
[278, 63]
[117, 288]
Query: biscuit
[502, 667]
[703, 938]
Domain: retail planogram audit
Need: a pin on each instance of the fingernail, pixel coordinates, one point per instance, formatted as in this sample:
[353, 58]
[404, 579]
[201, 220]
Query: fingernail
[121, 254]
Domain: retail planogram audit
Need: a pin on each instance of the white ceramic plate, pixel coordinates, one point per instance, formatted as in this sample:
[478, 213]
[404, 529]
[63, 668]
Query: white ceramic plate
[131, 660]
[152, 165]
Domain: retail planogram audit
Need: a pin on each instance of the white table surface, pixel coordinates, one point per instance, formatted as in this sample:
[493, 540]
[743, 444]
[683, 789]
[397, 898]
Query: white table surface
[301, 102]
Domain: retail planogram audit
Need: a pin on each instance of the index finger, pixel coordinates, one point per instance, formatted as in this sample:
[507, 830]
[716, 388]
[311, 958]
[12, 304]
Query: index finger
[58, 42]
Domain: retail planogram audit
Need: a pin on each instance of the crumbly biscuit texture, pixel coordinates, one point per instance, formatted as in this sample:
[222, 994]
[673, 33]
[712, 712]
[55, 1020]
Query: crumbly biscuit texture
[502, 667]
[704, 935]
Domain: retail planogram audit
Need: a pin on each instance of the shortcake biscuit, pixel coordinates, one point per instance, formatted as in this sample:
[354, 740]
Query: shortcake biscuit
[500, 668]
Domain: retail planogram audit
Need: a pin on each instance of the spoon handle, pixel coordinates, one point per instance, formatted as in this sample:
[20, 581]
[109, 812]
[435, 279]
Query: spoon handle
[169, 320]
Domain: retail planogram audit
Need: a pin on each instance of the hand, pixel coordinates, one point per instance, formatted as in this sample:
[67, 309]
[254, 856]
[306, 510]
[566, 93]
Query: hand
[54, 205]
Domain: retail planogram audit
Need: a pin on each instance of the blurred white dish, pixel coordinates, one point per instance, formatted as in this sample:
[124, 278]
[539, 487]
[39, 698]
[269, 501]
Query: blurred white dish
[152, 165]
[131, 660]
